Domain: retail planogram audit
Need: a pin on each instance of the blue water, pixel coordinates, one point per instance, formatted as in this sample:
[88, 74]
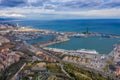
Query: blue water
[43, 39]
[110, 26]
[102, 45]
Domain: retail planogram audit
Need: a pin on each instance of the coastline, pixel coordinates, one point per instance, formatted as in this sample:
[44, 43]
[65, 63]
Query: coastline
[89, 59]
[61, 37]
[55, 42]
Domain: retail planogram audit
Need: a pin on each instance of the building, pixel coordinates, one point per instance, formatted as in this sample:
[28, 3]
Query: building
[40, 67]
[1, 67]
[117, 71]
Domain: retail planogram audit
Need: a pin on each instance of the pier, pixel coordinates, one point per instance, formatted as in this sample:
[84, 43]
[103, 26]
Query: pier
[115, 53]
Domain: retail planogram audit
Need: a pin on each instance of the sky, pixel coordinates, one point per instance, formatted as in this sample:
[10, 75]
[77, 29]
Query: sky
[60, 9]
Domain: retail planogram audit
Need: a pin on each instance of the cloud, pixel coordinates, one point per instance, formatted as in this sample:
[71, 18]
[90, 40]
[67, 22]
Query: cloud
[32, 1]
[12, 15]
[60, 8]
[39, 13]
[97, 13]
[63, 4]
[12, 3]
[82, 4]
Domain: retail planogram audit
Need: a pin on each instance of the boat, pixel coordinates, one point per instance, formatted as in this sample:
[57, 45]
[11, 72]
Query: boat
[87, 51]
[80, 35]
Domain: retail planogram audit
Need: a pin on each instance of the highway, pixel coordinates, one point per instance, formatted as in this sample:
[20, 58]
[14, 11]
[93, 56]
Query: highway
[35, 50]
[15, 76]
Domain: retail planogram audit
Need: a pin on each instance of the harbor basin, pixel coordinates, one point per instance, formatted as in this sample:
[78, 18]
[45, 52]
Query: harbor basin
[100, 44]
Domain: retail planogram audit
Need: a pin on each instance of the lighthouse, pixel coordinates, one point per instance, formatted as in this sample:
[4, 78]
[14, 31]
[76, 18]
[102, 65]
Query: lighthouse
[17, 25]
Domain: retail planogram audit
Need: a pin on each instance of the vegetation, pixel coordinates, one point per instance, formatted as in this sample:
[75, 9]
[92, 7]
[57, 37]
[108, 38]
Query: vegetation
[53, 67]
[110, 62]
[12, 69]
[1, 75]
[81, 74]
[105, 69]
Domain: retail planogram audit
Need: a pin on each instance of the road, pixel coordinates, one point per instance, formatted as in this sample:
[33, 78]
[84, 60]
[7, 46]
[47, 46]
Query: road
[35, 49]
[15, 76]
[61, 66]
[93, 70]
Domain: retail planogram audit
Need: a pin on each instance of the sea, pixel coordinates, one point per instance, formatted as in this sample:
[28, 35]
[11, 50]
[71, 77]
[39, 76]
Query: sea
[101, 45]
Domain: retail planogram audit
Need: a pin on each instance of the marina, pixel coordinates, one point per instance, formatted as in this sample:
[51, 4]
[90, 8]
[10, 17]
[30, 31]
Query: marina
[85, 41]
[91, 43]
[59, 39]
[87, 49]
[102, 42]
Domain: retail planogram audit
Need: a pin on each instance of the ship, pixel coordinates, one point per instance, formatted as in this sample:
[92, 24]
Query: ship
[80, 35]
[87, 51]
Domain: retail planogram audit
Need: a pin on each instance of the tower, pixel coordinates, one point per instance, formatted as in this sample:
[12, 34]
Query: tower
[17, 25]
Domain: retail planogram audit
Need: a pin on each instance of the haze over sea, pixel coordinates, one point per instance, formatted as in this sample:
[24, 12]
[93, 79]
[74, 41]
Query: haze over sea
[110, 26]
[102, 45]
